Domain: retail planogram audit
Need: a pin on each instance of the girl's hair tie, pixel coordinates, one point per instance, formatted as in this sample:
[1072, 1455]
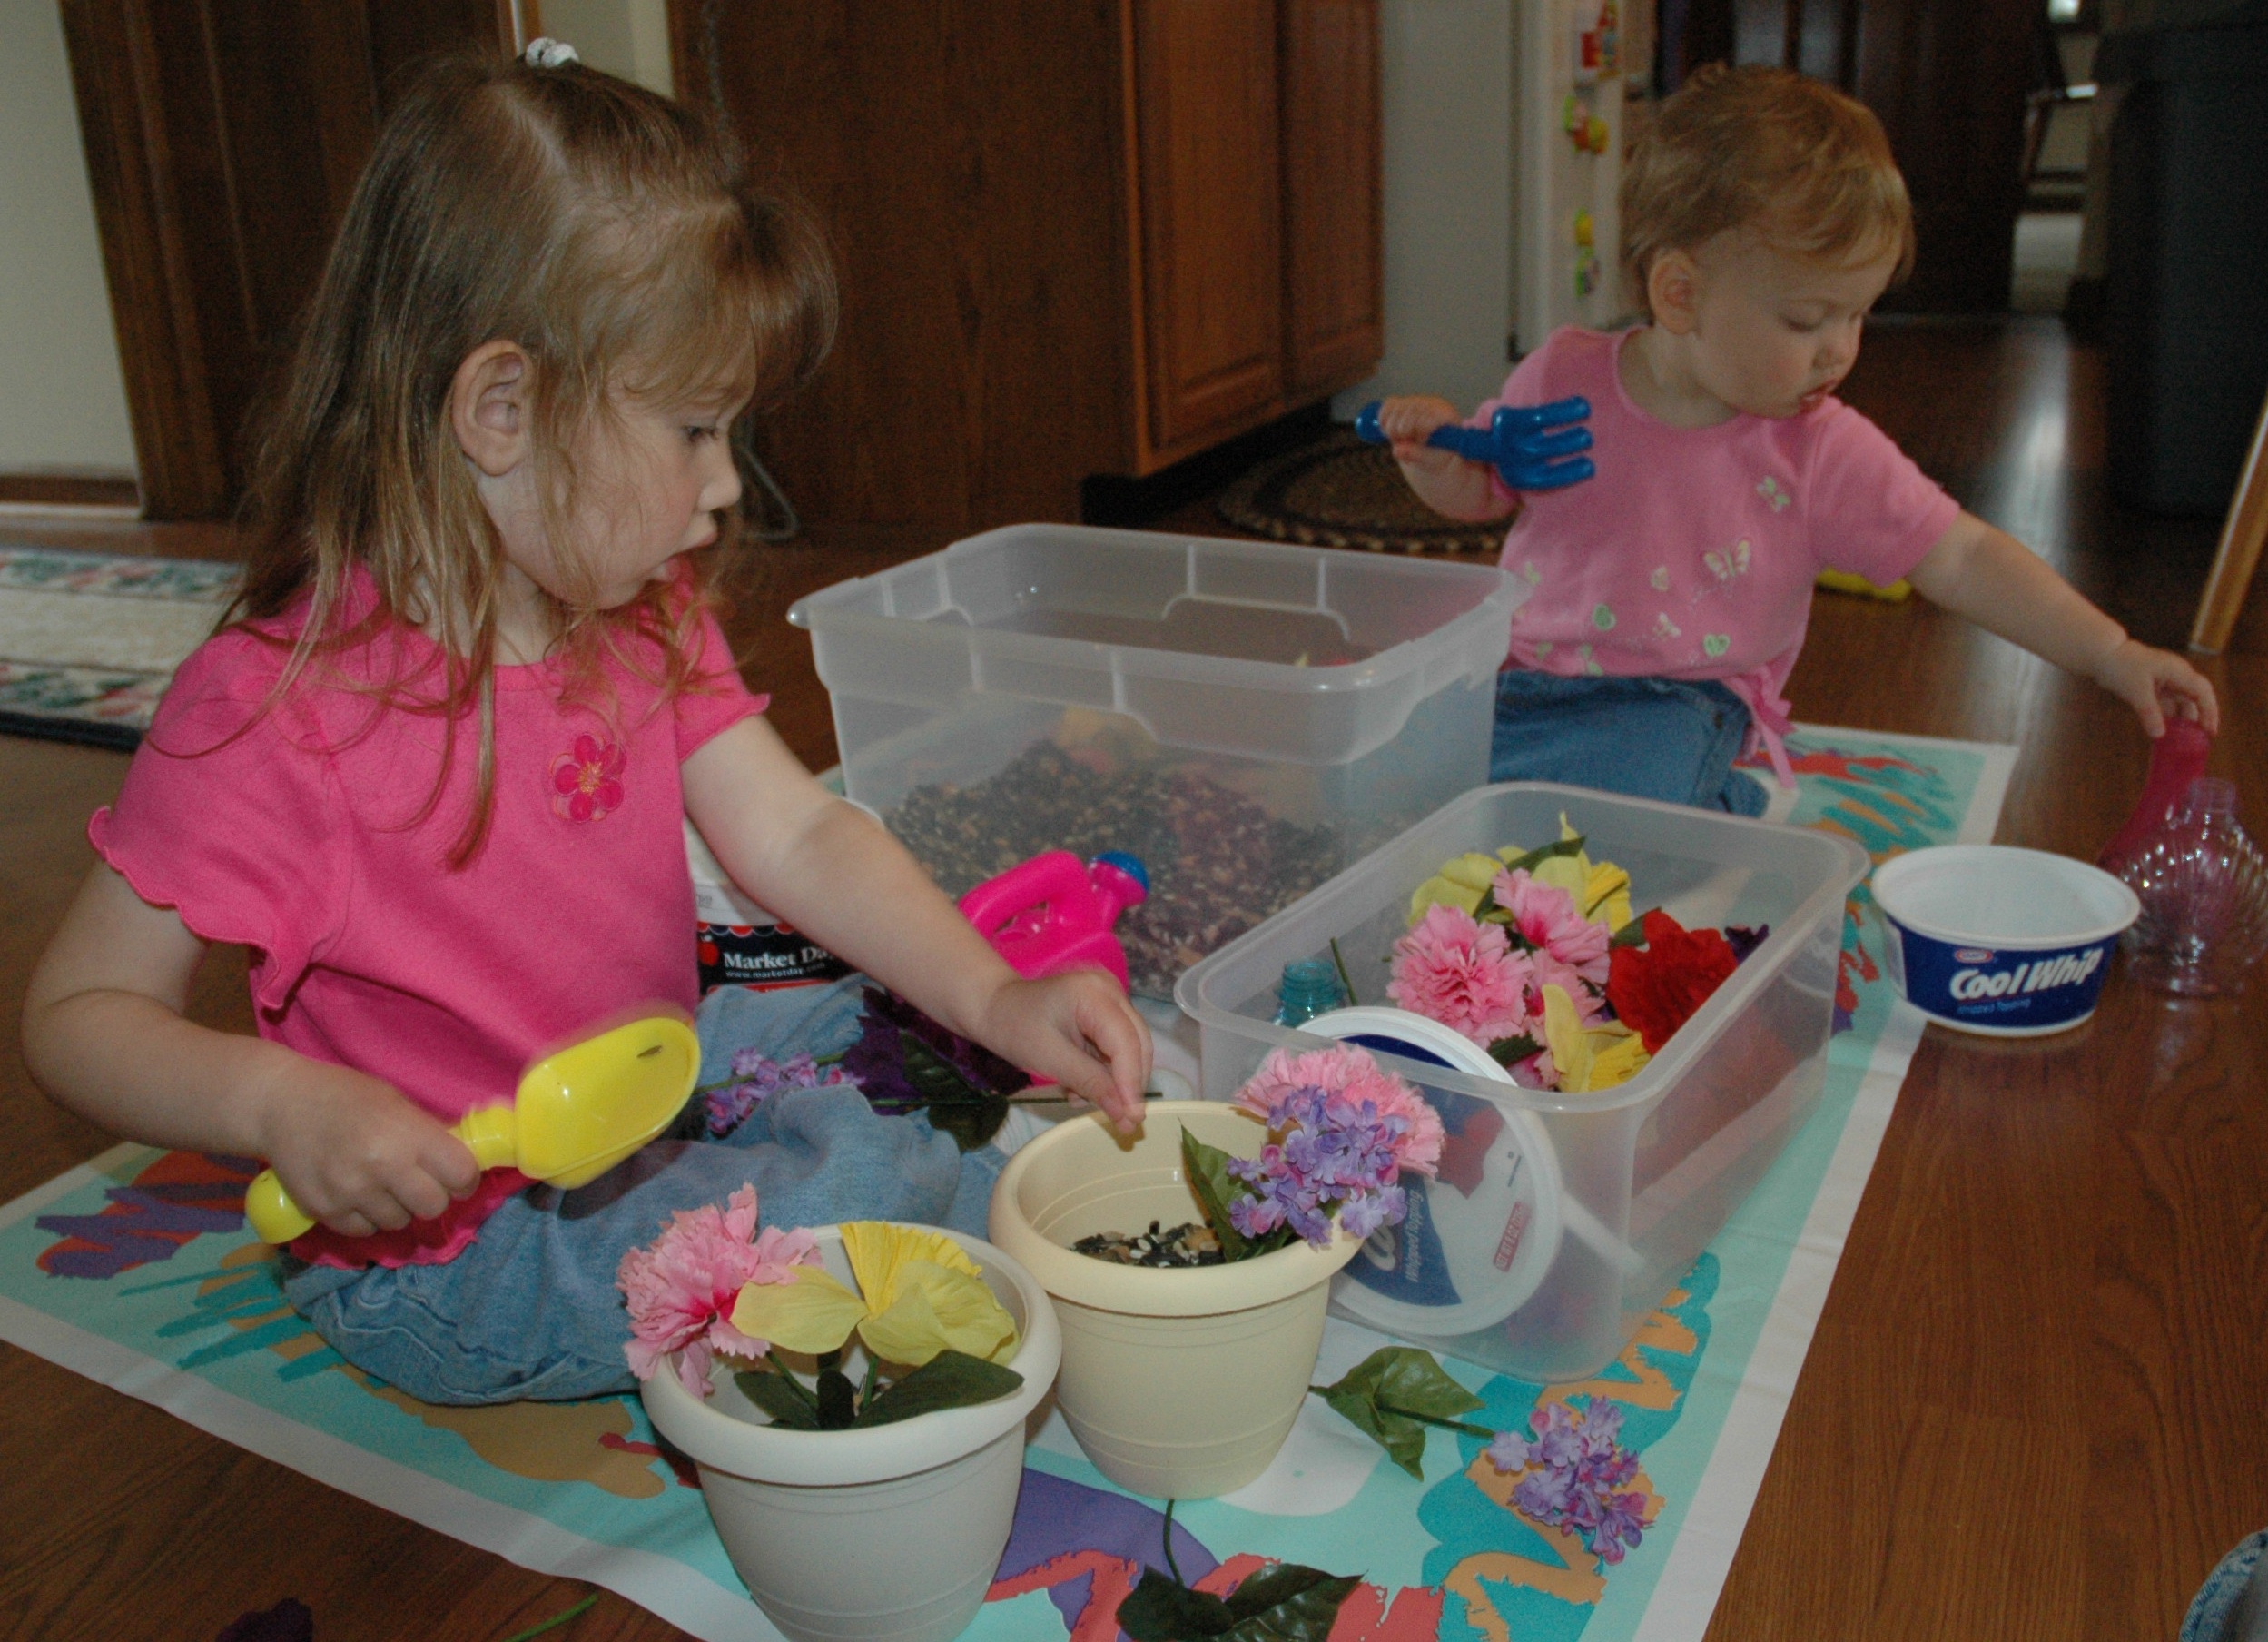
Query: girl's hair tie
[544, 52]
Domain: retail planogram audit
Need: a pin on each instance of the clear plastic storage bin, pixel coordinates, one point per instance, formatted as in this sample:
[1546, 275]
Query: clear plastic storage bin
[1558, 1221]
[1246, 717]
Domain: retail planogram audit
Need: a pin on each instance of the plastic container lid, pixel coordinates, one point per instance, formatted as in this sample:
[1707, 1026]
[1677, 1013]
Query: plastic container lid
[2006, 899]
[1481, 1234]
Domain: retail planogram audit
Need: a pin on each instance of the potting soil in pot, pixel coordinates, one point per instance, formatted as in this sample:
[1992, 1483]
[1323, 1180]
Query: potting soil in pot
[1219, 862]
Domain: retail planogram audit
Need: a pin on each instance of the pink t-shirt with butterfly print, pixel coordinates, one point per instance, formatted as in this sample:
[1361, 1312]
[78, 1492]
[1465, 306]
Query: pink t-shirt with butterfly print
[1692, 552]
[309, 831]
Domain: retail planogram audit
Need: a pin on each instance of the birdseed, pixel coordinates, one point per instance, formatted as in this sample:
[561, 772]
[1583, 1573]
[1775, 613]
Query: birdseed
[1219, 862]
[1189, 1244]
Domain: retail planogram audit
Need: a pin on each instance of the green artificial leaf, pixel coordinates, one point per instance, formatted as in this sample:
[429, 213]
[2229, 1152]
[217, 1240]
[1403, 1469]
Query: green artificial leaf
[1163, 1609]
[1536, 857]
[1632, 933]
[788, 1404]
[951, 1379]
[1393, 1394]
[1505, 1051]
[1289, 1603]
[968, 1112]
[1205, 1168]
[838, 1404]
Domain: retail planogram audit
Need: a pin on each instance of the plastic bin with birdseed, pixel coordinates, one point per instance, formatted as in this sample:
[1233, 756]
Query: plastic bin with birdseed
[1247, 718]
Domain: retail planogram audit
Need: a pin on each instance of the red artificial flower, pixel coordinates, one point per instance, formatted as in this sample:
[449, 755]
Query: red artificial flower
[1656, 988]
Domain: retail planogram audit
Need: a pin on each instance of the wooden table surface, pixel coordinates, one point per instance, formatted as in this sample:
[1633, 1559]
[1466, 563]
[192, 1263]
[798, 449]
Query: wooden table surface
[2037, 1406]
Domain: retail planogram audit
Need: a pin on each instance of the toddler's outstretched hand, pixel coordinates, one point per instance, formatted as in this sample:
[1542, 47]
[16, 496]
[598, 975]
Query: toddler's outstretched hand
[2152, 681]
[358, 1157]
[1079, 1030]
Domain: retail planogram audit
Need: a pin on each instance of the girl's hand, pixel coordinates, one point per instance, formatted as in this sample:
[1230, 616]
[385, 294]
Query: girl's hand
[358, 1157]
[1079, 1030]
[2153, 682]
[1408, 420]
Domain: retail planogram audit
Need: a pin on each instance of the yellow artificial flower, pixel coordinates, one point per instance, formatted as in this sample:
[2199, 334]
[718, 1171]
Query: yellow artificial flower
[919, 1293]
[1601, 889]
[1588, 1059]
[1460, 883]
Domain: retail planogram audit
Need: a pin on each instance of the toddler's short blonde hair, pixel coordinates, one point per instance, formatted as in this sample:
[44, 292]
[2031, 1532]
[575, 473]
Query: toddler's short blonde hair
[1792, 158]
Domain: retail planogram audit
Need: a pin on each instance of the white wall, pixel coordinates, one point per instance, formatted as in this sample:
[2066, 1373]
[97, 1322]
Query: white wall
[1446, 73]
[63, 403]
[625, 37]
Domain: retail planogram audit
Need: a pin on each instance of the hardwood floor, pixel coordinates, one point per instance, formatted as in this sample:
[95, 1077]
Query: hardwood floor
[2036, 1407]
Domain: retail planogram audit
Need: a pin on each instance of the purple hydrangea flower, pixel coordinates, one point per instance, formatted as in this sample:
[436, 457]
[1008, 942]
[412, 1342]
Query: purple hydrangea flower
[1577, 1476]
[760, 1079]
[1326, 1156]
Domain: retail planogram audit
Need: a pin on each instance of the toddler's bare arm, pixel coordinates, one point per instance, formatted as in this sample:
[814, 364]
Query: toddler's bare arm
[103, 1034]
[1443, 481]
[2001, 585]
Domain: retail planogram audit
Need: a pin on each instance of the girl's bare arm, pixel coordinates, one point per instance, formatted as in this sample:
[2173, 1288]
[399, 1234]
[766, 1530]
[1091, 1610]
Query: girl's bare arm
[104, 1035]
[828, 869]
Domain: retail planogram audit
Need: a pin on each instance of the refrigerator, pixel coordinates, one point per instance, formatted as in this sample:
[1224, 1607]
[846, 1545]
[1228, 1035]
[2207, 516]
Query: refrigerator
[1575, 69]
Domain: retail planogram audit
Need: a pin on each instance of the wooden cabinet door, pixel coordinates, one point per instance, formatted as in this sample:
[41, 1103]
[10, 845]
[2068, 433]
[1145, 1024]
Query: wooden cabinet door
[1209, 198]
[1334, 300]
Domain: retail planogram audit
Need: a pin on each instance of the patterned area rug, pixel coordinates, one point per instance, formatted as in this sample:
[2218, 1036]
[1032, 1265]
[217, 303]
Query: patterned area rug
[137, 1269]
[89, 641]
[1341, 493]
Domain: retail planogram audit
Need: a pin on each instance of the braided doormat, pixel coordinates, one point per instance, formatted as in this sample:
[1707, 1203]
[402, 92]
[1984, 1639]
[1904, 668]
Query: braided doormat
[1341, 493]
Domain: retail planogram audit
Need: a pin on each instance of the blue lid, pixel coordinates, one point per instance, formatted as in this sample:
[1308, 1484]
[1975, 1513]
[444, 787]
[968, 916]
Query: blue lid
[1131, 865]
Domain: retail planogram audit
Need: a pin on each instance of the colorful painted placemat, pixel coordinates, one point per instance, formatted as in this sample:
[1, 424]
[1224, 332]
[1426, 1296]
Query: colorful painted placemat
[136, 1269]
[89, 641]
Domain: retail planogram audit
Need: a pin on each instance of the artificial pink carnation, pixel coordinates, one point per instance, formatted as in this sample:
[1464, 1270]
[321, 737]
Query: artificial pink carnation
[682, 1288]
[1462, 974]
[1346, 1072]
[1548, 920]
[1548, 970]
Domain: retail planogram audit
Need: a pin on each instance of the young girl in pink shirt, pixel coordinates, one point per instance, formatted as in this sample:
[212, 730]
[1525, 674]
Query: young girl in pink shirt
[1762, 215]
[435, 771]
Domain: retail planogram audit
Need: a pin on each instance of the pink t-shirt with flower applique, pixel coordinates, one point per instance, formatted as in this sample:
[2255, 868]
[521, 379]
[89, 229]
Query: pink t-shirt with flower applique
[1693, 553]
[309, 831]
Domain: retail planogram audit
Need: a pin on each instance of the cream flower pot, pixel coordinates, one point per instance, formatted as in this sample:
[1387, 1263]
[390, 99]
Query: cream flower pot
[1180, 1384]
[886, 1535]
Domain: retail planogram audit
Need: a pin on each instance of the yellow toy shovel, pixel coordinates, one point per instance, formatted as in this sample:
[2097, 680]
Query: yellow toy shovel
[579, 1111]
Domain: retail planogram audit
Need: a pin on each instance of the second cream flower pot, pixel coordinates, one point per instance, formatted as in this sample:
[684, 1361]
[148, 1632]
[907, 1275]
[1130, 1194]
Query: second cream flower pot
[1180, 1384]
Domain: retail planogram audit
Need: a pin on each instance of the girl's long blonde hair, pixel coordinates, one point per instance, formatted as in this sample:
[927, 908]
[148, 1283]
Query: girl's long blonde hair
[616, 237]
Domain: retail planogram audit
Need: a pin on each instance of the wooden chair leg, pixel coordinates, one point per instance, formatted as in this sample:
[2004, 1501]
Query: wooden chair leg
[2239, 553]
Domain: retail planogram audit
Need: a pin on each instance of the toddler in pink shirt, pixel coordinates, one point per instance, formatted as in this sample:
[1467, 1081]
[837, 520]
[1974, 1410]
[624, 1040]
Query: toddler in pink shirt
[1762, 217]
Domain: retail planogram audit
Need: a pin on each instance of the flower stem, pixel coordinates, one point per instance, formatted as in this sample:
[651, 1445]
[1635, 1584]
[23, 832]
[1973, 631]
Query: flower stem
[1346, 980]
[1446, 1425]
[866, 1390]
[788, 1374]
[583, 1607]
[1170, 1563]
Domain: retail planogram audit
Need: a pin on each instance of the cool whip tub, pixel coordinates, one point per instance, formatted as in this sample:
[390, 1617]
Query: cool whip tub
[2011, 943]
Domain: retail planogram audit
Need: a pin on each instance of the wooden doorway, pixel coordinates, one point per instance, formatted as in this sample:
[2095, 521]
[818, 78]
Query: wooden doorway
[1949, 80]
[222, 140]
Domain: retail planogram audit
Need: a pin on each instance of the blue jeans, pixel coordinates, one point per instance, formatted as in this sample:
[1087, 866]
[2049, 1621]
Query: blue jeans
[529, 1309]
[1666, 738]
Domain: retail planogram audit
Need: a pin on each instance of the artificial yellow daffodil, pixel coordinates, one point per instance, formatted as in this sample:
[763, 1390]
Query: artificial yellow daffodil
[919, 1293]
[1588, 1059]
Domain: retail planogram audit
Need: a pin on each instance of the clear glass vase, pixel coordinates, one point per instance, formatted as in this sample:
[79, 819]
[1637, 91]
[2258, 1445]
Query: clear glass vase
[2203, 887]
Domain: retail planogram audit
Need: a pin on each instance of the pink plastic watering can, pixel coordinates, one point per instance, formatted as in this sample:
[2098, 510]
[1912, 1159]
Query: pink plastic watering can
[1055, 911]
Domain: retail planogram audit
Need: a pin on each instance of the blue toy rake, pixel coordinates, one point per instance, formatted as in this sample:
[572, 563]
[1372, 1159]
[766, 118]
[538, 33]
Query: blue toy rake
[1532, 447]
